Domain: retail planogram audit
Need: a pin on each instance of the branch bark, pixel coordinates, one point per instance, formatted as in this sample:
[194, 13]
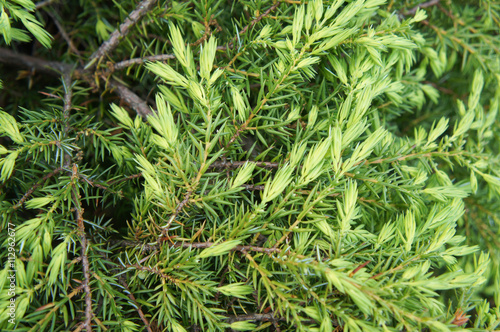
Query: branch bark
[116, 36]
[128, 96]
[56, 69]
[237, 164]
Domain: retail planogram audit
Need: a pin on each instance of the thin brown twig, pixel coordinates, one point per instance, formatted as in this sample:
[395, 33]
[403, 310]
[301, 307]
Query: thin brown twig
[252, 317]
[128, 96]
[208, 31]
[127, 63]
[138, 307]
[414, 10]
[92, 183]
[65, 35]
[32, 189]
[130, 177]
[40, 322]
[236, 164]
[177, 211]
[252, 23]
[22, 60]
[57, 68]
[116, 36]
[68, 94]
[358, 268]
[244, 30]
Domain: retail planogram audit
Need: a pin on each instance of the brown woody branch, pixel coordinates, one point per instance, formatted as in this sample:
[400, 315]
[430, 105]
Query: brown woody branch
[68, 94]
[21, 60]
[134, 101]
[116, 36]
[87, 324]
[127, 63]
[85, 263]
[55, 68]
[138, 306]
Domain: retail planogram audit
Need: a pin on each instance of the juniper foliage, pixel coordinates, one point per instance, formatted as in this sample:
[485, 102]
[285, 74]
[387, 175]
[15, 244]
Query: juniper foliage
[320, 165]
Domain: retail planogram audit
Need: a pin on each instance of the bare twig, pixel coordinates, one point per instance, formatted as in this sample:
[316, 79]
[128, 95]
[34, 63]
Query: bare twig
[358, 268]
[92, 183]
[138, 61]
[127, 243]
[131, 98]
[138, 306]
[237, 164]
[413, 11]
[57, 68]
[116, 36]
[177, 211]
[21, 60]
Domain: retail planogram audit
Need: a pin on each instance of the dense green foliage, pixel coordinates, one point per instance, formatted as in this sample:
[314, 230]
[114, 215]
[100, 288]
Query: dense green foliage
[304, 165]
